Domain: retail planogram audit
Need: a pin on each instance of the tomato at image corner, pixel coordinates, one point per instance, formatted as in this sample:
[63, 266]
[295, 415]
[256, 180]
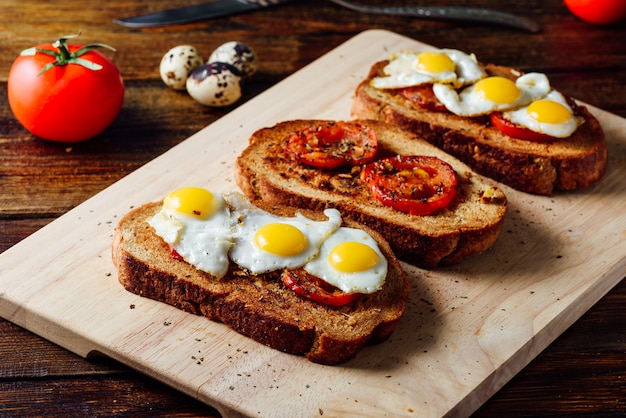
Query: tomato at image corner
[600, 12]
[65, 103]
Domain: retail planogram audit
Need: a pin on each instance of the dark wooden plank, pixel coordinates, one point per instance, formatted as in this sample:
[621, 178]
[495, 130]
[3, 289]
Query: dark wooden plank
[128, 395]
[38, 377]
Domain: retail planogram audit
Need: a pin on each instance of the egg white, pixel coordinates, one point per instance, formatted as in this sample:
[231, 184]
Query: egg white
[368, 281]
[228, 236]
[203, 243]
[247, 255]
[469, 102]
[402, 71]
[558, 130]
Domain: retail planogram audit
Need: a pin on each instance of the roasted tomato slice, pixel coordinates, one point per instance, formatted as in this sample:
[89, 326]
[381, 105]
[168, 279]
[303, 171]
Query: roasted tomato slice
[417, 185]
[516, 131]
[333, 145]
[316, 289]
[422, 96]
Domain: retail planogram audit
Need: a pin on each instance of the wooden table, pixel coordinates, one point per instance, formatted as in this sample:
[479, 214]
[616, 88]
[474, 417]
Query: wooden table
[581, 373]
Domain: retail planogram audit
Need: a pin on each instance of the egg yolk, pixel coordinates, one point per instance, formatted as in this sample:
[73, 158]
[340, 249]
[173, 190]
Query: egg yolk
[352, 257]
[435, 62]
[280, 239]
[548, 111]
[192, 201]
[498, 89]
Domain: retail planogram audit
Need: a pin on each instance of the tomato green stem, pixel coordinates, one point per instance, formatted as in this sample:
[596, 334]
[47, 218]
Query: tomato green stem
[63, 55]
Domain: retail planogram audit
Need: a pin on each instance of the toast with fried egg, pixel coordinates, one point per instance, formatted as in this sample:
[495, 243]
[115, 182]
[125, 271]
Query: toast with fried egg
[270, 177]
[558, 164]
[259, 305]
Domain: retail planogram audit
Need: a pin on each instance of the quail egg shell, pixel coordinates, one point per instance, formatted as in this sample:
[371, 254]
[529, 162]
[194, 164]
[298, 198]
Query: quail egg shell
[237, 54]
[216, 84]
[177, 64]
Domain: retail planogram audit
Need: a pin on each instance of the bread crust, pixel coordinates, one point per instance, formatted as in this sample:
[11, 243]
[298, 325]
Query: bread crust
[258, 306]
[540, 168]
[270, 178]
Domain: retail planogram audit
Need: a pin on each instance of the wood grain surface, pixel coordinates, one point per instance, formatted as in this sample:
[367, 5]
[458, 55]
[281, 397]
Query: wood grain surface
[578, 374]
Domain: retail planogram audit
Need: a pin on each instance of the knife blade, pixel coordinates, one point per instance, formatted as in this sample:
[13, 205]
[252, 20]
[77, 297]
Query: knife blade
[460, 13]
[196, 12]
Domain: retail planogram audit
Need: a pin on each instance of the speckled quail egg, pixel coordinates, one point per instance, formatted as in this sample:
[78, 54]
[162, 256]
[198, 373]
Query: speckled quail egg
[238, 54]
[215, 84]
[177, 64]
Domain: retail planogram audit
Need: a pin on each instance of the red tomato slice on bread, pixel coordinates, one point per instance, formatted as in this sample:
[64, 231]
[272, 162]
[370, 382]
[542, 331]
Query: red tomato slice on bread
[423, 97]
[315, 289]
[334, 145]
[515, 131]
[417, 185]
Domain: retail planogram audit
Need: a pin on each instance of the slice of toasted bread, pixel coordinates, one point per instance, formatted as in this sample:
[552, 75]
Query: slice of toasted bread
[269, 177]
[541, 168]
[258, 306]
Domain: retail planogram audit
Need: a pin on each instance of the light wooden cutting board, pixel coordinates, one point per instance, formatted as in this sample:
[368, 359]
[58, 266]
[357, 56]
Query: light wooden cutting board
[468, 329]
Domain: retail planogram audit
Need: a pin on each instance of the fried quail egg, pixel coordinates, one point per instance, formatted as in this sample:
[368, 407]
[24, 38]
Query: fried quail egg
[177, 64]
[448, 66]
[551, 115]
[264, 242]
[351, 260]
[197, 224]
[238, 54]
[209, 231]
[493, 93]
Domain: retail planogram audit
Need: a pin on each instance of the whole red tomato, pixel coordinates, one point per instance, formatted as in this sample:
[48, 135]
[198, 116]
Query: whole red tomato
[598, 11]
[65, 93]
